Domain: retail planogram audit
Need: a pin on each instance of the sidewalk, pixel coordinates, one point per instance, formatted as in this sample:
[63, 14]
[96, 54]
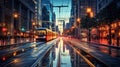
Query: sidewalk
[96, 53]
[24, 46]
[102, 42]
[12, 45]
[4, 42]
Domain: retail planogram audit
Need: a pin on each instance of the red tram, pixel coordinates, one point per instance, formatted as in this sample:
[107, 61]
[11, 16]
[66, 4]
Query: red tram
[44, 34]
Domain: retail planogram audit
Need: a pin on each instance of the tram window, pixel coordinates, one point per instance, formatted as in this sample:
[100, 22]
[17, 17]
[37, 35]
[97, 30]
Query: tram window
[42, 32]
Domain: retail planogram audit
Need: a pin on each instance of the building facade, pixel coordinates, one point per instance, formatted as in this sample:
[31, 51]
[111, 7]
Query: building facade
[79, 8]
[79, 11]
[108, 16]
[54, 22]
[47, 14]
[38, 13]
[83, 5]
[16, 19]
[101, 4]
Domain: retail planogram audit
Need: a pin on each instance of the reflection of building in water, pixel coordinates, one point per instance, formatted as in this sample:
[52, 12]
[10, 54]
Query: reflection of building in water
[47, 60]
[72, 56]
[51, 59]
[76, 60]
[57, 45]
[53, 53]
[64, 48]
[65, 60]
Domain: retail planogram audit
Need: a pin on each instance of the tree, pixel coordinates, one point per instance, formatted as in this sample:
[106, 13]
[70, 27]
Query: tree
[88, 22]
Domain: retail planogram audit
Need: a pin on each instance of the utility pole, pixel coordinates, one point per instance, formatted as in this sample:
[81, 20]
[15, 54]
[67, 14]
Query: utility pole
[60, 8]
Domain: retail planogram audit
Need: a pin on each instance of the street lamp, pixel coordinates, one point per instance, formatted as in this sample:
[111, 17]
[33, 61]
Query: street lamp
[78, 20]
[90, 14]
[33, 23]
[89, 10]
[78, 27]
[15, 15]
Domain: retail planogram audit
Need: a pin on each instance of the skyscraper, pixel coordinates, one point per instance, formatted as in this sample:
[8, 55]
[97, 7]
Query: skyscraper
[79, 8]
[47, 14]
[79, 11]
[83, 5]
[63, 24]
[38, 13]
[54, 22]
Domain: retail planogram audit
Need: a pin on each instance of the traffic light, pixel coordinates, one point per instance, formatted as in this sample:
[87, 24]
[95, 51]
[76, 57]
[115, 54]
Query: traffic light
[4, 29]
[23, 29]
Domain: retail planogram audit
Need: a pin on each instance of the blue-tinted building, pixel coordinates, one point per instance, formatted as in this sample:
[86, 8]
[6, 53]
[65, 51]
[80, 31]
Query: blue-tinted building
[38, 13]
[47, 14]
[68, 25]
[54, 22]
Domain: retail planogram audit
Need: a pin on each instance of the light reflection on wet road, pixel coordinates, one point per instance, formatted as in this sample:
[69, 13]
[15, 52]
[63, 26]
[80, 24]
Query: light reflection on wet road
[63, 56]
[28, 57]
[104, 49]
[114, 52]
[56, 48]
[65, 60]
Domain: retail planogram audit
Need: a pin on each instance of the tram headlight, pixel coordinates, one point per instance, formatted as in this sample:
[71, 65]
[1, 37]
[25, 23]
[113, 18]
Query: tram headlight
[36, 36]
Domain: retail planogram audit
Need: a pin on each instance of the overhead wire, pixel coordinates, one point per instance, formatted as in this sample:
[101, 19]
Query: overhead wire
[67, 9]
